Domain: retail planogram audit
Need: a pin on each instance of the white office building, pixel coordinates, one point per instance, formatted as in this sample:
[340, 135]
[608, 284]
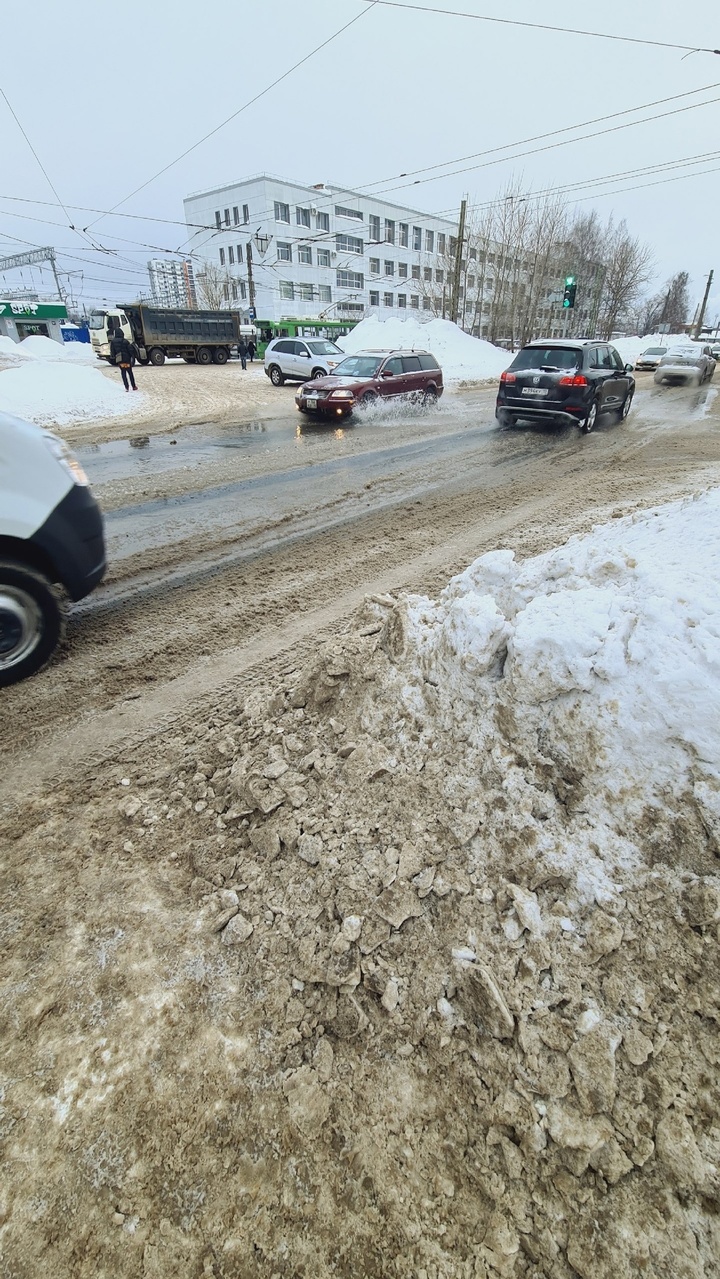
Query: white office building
[172, 284]
[319, 250]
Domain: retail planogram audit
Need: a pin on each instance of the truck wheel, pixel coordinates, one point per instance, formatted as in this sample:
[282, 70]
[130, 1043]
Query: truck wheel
[220, 355]
[203, 355]
[30, 621]
[156, 356]
[277, 377]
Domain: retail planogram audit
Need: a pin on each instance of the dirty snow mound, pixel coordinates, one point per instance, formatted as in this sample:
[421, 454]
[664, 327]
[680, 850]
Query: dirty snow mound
[461, 356]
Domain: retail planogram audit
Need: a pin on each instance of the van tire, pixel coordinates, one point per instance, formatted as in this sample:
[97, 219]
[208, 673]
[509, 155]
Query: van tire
[30, 611]
[157, 356]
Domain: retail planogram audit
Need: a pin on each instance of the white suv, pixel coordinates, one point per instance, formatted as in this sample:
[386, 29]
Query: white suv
[301, 359]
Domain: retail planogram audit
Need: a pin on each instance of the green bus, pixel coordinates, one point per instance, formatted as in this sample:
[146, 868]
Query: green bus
[308, 328]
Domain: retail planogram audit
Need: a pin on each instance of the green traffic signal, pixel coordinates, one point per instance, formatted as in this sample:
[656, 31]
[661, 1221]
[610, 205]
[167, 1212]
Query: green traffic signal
[569, 279]
[566, 301]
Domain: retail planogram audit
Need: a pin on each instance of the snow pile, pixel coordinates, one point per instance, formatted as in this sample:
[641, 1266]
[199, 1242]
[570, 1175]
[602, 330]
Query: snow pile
[461, 357]
[630, 348]
[58, 391]
[42, 348]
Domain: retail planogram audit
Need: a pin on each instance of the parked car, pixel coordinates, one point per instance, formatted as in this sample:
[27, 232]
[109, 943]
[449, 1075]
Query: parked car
[715, 350]
[300, 358]
[691, 362]
[565, 381]
[51, 534]
[650, 358]
[370, 376]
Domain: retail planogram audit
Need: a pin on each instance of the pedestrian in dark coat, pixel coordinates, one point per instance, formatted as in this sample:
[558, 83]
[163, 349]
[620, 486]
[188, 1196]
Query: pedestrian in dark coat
[243, 352]
[122, 353]
[251, 350]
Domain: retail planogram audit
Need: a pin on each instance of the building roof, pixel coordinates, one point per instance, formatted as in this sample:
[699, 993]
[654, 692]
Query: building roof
[320, 189]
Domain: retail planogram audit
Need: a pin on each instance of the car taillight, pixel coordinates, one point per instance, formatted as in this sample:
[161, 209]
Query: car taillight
[508, 377]
[577, 380]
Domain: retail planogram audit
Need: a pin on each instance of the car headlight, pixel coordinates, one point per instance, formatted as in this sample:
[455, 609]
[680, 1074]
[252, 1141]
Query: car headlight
[341, 395]
[69, 463]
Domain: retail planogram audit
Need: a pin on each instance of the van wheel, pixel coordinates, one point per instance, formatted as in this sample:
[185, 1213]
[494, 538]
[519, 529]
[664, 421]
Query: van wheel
[156, 356]
[277, 377]
[203, 355]
[31, 621]
[220, 355]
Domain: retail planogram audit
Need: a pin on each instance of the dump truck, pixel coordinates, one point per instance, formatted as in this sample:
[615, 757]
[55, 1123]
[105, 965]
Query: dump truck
[198, 337]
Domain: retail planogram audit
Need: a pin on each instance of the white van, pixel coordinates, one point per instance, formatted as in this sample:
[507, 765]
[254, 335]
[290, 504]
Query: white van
[51, 534]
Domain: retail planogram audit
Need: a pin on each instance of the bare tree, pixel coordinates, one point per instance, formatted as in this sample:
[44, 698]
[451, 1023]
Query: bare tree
[628, 267]
[669, 306]
[214, 286]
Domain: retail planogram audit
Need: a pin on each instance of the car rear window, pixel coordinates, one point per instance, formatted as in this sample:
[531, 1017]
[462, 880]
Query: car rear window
[540, 357]
[655, 350]
[358, 366]
[428, 362]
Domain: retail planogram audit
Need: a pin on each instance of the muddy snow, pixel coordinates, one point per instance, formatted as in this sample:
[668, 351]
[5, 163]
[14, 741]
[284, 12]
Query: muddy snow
[405, 965]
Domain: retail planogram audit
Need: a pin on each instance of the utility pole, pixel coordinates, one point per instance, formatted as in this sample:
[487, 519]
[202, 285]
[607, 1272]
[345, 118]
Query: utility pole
[703, 305]
[455, 299]
[251, 282]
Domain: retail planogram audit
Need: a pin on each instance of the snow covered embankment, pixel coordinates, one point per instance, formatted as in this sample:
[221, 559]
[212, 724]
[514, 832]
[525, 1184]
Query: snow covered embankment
[462, 357]
[54, 385]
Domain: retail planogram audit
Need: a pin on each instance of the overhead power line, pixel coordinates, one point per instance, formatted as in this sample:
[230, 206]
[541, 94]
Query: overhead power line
[544, 26]
[370, 4]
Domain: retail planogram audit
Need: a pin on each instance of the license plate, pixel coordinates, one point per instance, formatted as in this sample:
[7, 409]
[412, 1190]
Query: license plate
[311, 401]
[534, 390]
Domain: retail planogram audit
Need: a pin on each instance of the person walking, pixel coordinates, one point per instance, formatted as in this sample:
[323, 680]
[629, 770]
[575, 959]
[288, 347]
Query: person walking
[243, 352]
[251, 349]
[122, 353]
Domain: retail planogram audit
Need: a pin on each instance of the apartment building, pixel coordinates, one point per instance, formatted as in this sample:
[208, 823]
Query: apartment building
[172, 284]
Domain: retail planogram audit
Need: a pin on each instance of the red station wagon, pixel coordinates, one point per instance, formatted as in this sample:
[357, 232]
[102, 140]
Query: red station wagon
[369, 376]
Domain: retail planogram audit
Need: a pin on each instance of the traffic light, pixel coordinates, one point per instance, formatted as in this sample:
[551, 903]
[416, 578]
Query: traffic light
[570, 291]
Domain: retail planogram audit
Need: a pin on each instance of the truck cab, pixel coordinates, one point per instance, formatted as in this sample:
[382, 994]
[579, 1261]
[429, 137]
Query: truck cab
[102, 325]
[51, 535]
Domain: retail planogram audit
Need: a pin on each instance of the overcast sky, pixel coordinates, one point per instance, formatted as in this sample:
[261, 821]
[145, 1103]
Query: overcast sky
[108, 98]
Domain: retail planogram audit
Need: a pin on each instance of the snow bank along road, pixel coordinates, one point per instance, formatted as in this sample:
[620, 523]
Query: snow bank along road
[233, 544]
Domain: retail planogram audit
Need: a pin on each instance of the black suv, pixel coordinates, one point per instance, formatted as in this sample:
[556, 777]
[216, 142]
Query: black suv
[565, 381]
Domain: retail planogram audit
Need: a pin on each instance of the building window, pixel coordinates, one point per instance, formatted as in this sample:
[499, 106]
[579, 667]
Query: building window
[374, 266]
[473, 254]
[471, 281]
[403, 231]
[284, 252]
[240, 256]
[388, 299]
[374, 227]
[305, 254]
[491, 259]
[349, 244]
[389, 268]
[242, 289]
[389, 231]
[402, 270]
[417, 238]
[415, 302]
[402, 299]
[427, 274]
[323, 257]
[282, 212]
[342, 212]
[426, 304]
[231, 255]
[304, 292]
[350, 279]
[453, 246]
[302, 216]
[227, 217]
[236, 216]
[441, 241]
[439, 277]
[429, 241]
[234, 290]
[416, 273]
[325, 293]
[287, 289]
[322, 221]
[226, 292]
[374, 298]
[246, 214]
[218, 223]
[222, 257]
